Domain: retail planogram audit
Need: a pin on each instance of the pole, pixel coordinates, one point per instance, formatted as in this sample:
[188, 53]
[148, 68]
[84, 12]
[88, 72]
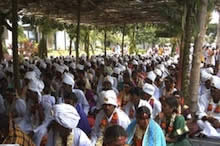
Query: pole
[78, 30]
[15, 42]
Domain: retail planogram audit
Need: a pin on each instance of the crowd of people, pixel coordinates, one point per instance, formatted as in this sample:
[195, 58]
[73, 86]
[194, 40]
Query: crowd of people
[104, 101]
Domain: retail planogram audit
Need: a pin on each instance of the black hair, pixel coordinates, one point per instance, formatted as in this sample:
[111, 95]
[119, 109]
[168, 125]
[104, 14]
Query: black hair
[71, 96]
[4, 122]
[136, 91]
[172, 102]
[142, 110]
[113, 132]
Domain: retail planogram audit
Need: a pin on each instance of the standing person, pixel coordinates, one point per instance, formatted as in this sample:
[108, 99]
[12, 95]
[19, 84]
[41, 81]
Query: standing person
[12, 134]
[144, 131]
[63, 131]
[176, 129]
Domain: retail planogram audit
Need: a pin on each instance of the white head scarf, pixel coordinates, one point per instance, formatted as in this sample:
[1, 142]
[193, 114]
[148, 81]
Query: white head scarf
[149, 89]
[68, 79]
[66, 115]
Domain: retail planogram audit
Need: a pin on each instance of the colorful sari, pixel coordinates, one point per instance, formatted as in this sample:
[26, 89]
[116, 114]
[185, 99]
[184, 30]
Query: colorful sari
[153, 136]
[179, 132]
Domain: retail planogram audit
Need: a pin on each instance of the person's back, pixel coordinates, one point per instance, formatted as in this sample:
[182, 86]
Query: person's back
[12, 134]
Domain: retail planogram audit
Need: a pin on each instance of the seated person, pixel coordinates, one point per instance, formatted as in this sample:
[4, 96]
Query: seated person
[11, 134]
[62, 130]
[209, 112]
[115, 136]
[175, 129]
[144, 130]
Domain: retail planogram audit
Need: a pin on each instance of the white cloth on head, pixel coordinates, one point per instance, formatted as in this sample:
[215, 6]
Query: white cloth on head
[134, 62]
[205, 75]
[117, 70]
[158, 72]
[109, 79]
[151, 75]
[149, 89]
[35, 87]
[109, 97]
[80, 67]
[66, 115]
[215, 82]
[60, 68]
[68, 79]
[145, 103]
[31, 75]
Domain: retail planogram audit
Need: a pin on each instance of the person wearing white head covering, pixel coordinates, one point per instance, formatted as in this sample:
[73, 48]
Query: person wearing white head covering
[109, 115]
[205, 83]
[69, 83]
[64, 125]
[109, 84]
[148, 96]
[209, 111]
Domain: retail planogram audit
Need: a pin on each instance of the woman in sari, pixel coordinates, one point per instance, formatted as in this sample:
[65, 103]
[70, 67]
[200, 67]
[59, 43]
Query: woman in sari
[144, 131]
[175, 127]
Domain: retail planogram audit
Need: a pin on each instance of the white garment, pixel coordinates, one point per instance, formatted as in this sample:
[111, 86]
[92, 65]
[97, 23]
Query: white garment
[82, 100]
[123, 120]
[157, 92]
[80, 138]
[156, 107]
[207, 128]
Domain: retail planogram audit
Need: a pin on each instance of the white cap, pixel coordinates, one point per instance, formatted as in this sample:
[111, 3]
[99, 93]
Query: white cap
[80, 67]
[35, 87]
[149, 89]
[216, 82]
[68, 79]
[66, 115]
[158, 72]
[205, 76]
[117, 70]
[60, 68]
[151, 75]
[109, 97]
[210, 70]
[31, 75]
[134, 62]
[109, 79]
[145, 103]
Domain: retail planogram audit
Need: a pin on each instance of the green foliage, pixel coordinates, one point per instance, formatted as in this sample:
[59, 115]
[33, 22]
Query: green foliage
[21, 35]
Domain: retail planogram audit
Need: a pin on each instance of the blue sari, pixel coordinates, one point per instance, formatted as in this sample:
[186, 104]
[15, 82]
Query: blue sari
[153, 136]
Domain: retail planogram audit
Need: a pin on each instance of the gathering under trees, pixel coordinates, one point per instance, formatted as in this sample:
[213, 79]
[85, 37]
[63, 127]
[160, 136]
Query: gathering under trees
[118, 63]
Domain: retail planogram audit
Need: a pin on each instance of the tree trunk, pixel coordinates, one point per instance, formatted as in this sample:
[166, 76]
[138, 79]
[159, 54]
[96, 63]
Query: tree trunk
[179, 78]
[105, 37]
[78, 30]
[187, 41]
[195, 72]
[218, 32]
[1, 45]
[70, 47]
[87, 44]
[122, 43]
[15, 43]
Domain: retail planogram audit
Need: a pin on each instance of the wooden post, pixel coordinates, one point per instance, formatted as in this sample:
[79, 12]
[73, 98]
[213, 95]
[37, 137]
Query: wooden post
[195, 72]
[15, 43]
[1, 46]
[105, 37]
[188, 30]
[122, 43]
[78, 30]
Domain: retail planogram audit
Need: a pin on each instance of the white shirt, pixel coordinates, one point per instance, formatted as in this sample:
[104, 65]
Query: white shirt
[123, 120]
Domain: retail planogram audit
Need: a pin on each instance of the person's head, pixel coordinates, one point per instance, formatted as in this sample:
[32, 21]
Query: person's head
[208, 84]
[135, 94]
[65, 117]
[215, 89]
[71, 99]
[109, 98]
[4, 126]
[169, 83]
[127, 87]
[170, 106]
[148, 90]
[115, 136]
[134, 75]
[68, 83]
[143, 117]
